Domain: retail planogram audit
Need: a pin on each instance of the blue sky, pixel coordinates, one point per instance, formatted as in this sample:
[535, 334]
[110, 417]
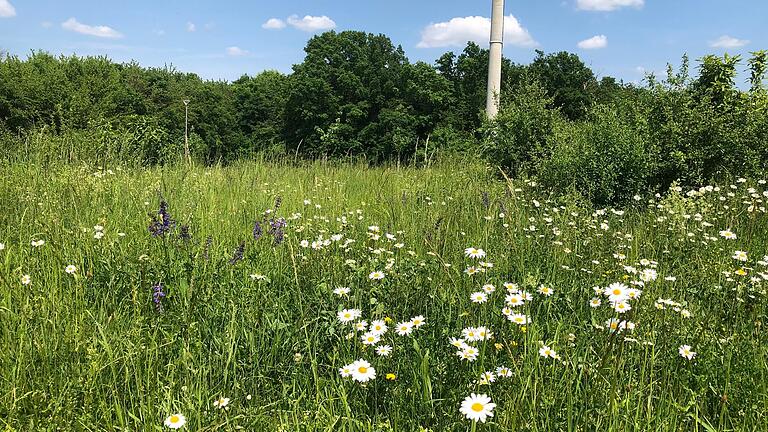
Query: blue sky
[225, 39]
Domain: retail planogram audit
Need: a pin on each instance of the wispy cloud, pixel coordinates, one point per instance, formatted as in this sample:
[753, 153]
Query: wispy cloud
[726, 41]
[191, 26]
[99, 31]
[595, 42]
[234, 51]
[311, 23]
[6, 9]
[458, 31]
[607, 5]
[274, 24]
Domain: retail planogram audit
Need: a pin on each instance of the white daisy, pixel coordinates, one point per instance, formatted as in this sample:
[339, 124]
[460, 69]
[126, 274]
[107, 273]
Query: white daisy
[477, 407]
[175, 421]
[404, 328]
[348, 315]
[685, 351]
[370, 338]
[471, 252]
[478, 297]
[362, 371]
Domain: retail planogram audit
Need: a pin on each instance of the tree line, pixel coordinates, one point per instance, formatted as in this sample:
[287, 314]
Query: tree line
[357, 95]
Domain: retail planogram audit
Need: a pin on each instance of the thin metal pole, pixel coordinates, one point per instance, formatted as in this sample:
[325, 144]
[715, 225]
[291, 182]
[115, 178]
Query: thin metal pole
[494, 59]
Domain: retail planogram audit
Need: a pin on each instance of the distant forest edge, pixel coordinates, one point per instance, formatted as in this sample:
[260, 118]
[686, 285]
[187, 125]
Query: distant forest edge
[356, 95]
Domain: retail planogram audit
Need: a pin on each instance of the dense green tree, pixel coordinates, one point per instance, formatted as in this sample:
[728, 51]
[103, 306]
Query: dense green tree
[570, 83]
[356, 93]
[260, 107]
[468, 75]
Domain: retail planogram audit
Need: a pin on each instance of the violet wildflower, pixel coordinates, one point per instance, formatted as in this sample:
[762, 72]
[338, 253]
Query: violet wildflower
[276, 229]
[257, 231]
[162, 223]
[238, 255]
[185, 234]
[157, 297]
[207, 249]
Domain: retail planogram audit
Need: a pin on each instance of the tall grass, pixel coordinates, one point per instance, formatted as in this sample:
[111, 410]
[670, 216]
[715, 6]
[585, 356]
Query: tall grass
[90, 351]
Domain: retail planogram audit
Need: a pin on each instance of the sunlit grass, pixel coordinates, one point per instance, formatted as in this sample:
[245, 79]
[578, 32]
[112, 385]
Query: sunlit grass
[89, 349]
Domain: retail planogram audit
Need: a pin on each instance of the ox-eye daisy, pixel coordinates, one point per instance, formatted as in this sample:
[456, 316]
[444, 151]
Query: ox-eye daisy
[404, 328]
[347, 315]
[362, 371]
[477, 407]
[471, 252]
[418, 321]
[376, 275]
[378, 327]
[370, 338]
[685, 351]
[518, 319]
[221, 402]
[175, 421]
[545, 290]
[478, 297]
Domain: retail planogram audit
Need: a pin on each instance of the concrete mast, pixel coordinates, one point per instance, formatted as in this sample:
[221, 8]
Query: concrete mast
[494, 60]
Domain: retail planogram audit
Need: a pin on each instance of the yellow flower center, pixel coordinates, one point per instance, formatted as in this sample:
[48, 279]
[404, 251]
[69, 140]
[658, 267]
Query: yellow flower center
[616, 292]
[477, 407]
[362, 369]
[175, 419]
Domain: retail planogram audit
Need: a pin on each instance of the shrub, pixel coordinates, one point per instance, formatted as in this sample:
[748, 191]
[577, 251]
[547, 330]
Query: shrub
[607, 158]
[518, 139]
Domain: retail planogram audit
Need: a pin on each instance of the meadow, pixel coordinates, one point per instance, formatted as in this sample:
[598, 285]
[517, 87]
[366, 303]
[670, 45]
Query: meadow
[284, 297]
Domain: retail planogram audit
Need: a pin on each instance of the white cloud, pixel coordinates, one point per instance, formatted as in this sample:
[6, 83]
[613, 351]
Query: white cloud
[595, 42]
[458, 31]
[311, 23]
[191, 27]
[274, 24]
[726, 41]
[236, 51]
[6, 9]
[99, 31]
[607, 5]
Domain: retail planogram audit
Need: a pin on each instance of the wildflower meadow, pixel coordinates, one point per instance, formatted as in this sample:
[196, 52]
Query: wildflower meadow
[325, 296]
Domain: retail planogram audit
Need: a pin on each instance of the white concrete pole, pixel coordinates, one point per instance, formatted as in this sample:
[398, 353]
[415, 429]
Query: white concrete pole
[494, 60]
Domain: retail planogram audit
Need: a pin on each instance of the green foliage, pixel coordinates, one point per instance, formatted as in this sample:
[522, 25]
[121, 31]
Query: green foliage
[606, 158]
[357, 94]
[519, 138]
[570, 83]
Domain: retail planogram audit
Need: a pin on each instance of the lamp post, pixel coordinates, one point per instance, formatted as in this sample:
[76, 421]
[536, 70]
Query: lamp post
[186, 131]
[494, 59]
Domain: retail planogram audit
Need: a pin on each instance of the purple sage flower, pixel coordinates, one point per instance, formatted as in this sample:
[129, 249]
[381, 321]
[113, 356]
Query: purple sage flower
[257, 231]
[162, 223]
[238, 255]
[157, 297]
